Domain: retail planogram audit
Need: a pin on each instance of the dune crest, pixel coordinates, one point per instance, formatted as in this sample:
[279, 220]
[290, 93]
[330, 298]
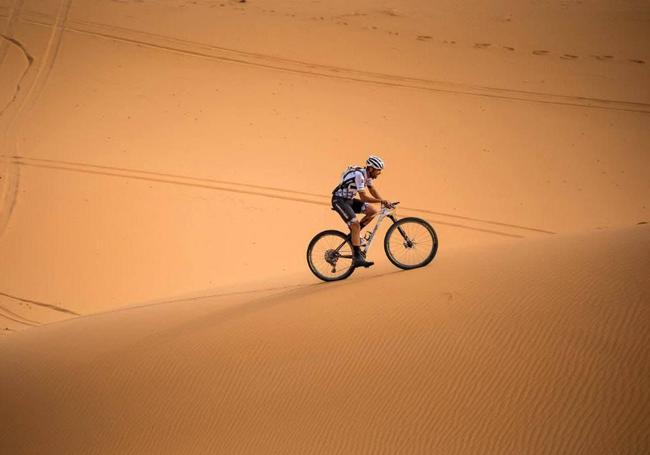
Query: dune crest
[540, 347]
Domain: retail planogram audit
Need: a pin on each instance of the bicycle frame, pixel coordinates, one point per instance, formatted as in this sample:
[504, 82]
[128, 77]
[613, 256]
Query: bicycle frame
[328, 247]
[385, 212]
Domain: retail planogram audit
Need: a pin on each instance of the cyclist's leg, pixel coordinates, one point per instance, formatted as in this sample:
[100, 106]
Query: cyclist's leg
[345, 209]
[355, 233]
[370, 212]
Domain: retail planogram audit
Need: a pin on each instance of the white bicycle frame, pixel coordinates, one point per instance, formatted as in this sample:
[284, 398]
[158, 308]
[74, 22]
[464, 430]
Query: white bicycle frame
[383, 213]
[395, 236]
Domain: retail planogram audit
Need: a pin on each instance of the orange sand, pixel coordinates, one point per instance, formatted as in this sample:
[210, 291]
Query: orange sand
[164, 164]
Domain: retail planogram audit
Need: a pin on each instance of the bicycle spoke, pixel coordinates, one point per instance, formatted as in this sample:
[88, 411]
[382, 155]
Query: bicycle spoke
[413, 246]
[338, 250]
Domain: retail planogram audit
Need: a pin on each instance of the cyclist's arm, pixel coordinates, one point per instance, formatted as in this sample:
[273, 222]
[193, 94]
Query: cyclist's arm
[375, 193]
[373, 200]
[360, 181]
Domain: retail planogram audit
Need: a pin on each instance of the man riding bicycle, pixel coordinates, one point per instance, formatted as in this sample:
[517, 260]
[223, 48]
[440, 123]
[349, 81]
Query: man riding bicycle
[356, 180]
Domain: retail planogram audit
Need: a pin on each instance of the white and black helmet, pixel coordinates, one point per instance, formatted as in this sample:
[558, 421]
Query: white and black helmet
[375, 162]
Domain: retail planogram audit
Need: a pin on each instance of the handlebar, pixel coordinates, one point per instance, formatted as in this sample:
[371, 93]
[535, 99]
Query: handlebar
[390, 207]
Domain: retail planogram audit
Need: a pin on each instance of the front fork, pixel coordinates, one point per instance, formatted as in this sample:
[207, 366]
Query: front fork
[407, 242]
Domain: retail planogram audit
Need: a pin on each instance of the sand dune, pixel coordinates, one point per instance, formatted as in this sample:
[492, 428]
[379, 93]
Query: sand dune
[163, 165]
[540, 347]
[150, 141]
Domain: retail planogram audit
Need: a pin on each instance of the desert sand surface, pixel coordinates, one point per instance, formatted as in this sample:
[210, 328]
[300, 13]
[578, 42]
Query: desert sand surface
[536, 347]
[164, 164]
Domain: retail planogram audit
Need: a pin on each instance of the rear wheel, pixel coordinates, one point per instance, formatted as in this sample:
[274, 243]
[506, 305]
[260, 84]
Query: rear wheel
[411, 243]
[329, 256]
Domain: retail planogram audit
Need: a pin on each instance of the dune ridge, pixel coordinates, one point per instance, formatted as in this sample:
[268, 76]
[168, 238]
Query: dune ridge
[539, 347]
[133, 172]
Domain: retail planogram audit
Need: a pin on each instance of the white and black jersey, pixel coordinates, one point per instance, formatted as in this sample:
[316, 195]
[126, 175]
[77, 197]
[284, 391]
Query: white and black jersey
[355, 179]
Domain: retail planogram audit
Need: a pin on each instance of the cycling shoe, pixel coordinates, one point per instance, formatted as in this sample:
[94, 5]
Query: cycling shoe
[361, 262]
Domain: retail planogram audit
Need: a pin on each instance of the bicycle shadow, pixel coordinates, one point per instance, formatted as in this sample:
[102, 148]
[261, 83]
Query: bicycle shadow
[221, 316]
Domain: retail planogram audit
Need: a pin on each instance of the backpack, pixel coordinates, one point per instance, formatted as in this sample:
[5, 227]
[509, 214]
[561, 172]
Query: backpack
[345, 183]
[349, 169]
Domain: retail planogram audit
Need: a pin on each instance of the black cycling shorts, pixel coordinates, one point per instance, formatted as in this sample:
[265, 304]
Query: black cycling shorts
[348, 207]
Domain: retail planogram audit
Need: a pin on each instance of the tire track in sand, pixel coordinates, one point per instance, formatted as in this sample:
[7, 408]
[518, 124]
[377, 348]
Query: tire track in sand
[10, 315]
[500, 228]
[13, 17]
[9, 185]
[12, 181]
[212, 52]
[30, 61]
[40, 304]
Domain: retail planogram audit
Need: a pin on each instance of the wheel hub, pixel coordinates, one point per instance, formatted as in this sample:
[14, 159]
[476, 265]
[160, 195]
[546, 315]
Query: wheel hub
[331, 256]
[409, 244]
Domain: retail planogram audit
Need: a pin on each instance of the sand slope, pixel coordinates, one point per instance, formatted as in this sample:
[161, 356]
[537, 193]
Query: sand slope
[163, 165]
[163, 148]
[538, 347]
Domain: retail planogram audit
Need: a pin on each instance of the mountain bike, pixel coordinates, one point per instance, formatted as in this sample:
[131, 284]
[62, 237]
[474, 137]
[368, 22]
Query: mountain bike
[409, 243]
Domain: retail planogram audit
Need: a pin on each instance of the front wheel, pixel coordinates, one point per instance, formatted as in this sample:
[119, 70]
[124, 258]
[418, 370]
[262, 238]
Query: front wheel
[329, 256]
[411, 243]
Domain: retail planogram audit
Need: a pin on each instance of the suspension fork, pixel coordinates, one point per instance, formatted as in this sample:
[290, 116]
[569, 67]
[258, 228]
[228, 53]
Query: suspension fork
[399, 228]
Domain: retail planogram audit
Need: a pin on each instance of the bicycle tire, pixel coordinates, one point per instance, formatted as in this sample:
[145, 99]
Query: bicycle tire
[310, 258]
[394, 228]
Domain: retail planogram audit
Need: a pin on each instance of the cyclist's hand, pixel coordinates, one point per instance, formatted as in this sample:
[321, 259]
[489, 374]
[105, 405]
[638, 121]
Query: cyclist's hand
[386, 203]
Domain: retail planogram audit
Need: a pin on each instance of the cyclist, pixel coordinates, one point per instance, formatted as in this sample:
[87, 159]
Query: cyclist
[355, 180]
